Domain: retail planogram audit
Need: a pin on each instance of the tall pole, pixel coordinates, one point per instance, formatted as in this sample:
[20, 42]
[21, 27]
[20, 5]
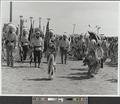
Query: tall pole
[40, 22]
[33, 23]
[31, 18]
[11, 11]
[21, 25]
[74, 28]
[44, 29]
[48, 19]
[47, 35]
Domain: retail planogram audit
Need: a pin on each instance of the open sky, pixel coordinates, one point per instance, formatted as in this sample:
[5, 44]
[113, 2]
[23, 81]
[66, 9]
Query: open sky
[64, 14]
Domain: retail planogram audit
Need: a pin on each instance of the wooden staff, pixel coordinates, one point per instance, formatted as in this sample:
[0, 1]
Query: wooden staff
[74, 25]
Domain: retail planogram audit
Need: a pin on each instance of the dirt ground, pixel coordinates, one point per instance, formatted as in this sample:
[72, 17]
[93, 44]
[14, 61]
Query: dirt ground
[70, 79]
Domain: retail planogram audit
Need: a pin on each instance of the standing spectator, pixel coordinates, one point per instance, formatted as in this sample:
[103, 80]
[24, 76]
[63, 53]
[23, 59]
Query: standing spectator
[25, 42]
[38, 45]
[64, 48]
[10, 44]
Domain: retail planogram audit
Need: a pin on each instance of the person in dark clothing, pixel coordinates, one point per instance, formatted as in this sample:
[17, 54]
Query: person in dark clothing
[38, 45]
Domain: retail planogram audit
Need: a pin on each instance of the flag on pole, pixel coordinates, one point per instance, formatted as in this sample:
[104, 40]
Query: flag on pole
[21, 27]
[46, 37]
[47, 31]
[30, 32]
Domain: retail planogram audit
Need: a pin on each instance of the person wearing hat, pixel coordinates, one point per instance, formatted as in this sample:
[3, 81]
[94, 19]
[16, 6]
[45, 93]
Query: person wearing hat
[64, 48]
[10, 43]
[38, 45]
[25, 42]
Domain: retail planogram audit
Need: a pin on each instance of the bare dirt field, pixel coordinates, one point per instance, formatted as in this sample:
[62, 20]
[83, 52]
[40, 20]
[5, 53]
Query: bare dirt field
[70, 79]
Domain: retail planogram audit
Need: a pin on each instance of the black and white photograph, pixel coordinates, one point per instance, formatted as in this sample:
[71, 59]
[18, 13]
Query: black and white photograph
[59, 48]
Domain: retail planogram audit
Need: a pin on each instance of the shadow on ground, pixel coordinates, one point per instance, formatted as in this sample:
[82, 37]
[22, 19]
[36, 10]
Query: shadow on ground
[4, 65]
[112, 80]
[38, 79]
[75, 77]
[81, 75]
[110, 64]
[73, 59]
[84, 73]
[80, 69]
[17, 67]
[22, 67]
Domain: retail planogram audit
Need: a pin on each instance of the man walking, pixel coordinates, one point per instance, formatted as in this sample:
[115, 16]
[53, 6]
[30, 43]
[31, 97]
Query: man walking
[64, 48]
